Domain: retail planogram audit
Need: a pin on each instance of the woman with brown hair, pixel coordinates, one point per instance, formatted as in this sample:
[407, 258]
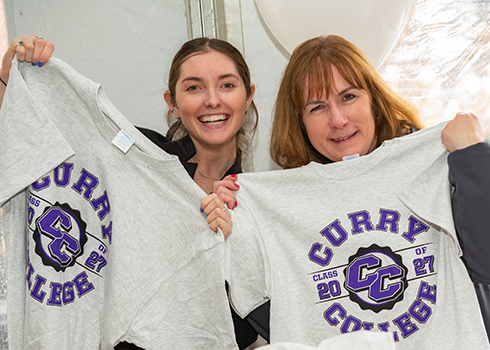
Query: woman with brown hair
[309, 75]
[331, 106]
[212, 120]
[309, 98]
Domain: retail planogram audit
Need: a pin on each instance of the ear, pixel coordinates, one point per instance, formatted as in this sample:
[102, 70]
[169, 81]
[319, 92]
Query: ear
[252, 92]
[168, 99]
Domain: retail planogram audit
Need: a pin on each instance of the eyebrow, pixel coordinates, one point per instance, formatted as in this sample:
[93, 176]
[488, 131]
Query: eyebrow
[339, 93]
[221, 77]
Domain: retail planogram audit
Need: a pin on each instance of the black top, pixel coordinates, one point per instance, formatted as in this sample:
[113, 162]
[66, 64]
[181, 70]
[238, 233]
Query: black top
[185, 150]
[469, 170]
[468, 173]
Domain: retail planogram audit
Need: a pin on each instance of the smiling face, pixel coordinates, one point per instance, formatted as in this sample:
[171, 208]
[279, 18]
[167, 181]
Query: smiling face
[210, 99]
[342, 124]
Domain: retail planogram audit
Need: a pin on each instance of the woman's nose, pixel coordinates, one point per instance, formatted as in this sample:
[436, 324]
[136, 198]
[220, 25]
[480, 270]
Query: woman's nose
[212, 99]
[337, 118]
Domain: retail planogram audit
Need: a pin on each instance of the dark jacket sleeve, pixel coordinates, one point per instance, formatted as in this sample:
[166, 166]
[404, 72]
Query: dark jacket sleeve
[259, 319]
[469, 173]
[245, 333]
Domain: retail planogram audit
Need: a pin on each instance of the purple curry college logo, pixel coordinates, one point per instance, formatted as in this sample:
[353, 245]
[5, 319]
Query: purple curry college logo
[376, 278]
[60, 236]
[64, 239]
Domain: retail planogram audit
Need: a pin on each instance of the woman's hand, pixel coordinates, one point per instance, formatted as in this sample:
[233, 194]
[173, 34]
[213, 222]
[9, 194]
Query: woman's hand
[463, 131]
[224, 190]
[33, 49]
[218, 215]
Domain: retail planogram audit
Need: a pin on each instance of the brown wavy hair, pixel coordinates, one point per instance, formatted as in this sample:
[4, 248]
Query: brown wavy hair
[203, 45]
[313, 60]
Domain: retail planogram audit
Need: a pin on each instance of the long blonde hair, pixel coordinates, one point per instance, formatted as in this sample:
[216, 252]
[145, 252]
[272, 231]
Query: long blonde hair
[313, 60]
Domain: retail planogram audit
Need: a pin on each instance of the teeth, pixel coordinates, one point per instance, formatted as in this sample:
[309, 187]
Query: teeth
[343, 138]
[213, 118]
[216, 123]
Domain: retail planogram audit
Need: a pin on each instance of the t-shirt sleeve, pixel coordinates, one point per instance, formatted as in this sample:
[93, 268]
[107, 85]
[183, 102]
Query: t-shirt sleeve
[31, 144]
[428, 196]
[247, 263]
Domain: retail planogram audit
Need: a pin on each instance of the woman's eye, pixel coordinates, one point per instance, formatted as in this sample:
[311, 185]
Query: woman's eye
[348, 97]
[192, 88]
[228, 85]
[316, 108]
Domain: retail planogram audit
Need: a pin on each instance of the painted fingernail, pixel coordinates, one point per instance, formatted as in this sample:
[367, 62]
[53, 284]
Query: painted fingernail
[236, 204]
[233, 175]
[40, 63]
[202, 210]
[236, 185]
[21, 43]
[34, 64]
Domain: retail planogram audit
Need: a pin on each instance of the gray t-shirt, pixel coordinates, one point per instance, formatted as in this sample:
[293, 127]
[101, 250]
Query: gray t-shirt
[108, 243]
[367, 243]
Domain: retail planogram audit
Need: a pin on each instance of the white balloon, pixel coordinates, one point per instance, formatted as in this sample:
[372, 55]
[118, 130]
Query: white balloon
[373, 25]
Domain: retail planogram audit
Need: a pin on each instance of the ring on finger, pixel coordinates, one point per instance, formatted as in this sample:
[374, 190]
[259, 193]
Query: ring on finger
[21, 43]
[223, 210]
[35, 38]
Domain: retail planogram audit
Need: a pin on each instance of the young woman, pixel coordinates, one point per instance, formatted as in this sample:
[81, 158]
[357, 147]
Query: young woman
[212, 116]
[332, 104]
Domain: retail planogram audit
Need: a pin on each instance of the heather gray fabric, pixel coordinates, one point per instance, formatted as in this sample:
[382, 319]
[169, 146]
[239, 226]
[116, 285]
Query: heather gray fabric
[367, 243]
[362, 340]
[108, 256]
